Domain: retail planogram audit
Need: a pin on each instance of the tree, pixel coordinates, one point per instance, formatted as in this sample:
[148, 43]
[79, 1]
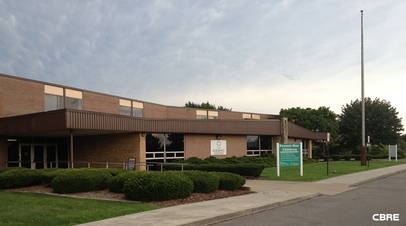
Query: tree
[381, 123]
[206, 105]
[320, 120]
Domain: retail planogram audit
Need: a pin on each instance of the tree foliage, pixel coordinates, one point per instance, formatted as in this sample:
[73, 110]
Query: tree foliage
[381, 123]
[321, 119]
[206, 105]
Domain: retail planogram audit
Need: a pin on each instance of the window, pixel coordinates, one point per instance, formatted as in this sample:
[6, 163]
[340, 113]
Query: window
[201, 114]
[213, 115]
[58, 98]
[252, 142]
[161, 146]
[53, 98]
[257, 145]
[251, 116]
[73, 99]
[138, 109]
[125, 107]
[131, 108]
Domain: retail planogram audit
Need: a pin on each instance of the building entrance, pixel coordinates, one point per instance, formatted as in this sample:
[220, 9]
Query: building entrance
[38, 156]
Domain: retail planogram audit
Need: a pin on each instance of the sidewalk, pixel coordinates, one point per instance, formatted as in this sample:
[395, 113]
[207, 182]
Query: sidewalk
[270, 194]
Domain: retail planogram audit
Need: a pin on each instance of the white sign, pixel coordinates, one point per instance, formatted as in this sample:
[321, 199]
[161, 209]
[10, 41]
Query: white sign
[393, 152]
[218, 147]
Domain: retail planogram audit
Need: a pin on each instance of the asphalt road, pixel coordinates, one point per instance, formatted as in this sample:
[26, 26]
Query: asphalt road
[386, 196]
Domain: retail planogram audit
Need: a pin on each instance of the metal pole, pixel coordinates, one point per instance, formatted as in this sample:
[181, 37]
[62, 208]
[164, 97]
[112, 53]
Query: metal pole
[363, 148]
[71, 148]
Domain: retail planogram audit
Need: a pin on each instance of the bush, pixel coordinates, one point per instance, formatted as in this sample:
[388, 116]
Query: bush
[9, 168]
[20, 177]
[336, 157]
[195, 160]
[245, 169]
[229, 181]
[157, 186]
[203, 182]
[80, 180]
[115, 172]
[116, 183]
[49, 174]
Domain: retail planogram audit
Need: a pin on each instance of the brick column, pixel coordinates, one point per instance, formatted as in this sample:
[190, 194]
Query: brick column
[140, 153]
[310, 148]
[284, 130]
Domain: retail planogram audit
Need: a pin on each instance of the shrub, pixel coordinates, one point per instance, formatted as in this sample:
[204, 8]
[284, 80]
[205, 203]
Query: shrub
[20, 177]
[229, 181]
[195, 160]
[49, 174]
[116, 183]
[115, 172]
[80, 180]
[203, 182]
[157, 186]
[335, 157]
[9, 168]
[245, 169]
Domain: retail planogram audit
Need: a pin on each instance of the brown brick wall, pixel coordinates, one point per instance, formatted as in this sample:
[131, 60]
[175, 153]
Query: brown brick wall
[160, 111]
[20, 97]
[100, 103]
[155, 111]
[230, 115]
[117, 148]
[199, 145]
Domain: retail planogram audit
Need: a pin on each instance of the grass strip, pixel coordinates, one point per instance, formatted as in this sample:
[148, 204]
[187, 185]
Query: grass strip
[318, 171]
[36, 209]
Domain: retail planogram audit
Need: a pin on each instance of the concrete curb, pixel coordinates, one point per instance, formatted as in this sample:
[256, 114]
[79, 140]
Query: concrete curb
[376, 178]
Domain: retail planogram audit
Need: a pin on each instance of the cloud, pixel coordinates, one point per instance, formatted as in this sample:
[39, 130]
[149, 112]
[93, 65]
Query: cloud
[249, 57]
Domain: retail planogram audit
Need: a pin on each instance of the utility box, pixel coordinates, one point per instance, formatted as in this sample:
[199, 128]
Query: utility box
[131, 164]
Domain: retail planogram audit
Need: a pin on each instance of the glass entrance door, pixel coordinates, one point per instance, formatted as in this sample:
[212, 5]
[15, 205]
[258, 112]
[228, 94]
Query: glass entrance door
[51, 156]
[38, 161]
[25, 156]
[38, 156]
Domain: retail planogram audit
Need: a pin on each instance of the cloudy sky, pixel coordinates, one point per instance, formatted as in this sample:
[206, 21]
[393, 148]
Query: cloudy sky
[251, 56]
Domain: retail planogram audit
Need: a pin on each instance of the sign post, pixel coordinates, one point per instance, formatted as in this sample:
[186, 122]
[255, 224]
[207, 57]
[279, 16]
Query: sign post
[328, 152]
[289, 155]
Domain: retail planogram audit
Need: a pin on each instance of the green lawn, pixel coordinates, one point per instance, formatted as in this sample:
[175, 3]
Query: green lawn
[35, 209]
[318, 171]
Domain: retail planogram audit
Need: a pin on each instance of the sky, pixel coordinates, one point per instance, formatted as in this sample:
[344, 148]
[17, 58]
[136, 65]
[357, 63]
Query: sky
[252, 56]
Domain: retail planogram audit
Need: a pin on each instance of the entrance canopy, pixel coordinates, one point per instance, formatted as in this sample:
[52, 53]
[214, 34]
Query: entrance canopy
[62, 122]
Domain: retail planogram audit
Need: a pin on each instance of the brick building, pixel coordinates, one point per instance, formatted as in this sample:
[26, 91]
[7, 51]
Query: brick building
[45, 125]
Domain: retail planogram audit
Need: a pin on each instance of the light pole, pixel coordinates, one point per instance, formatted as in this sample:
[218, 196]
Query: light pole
[363, 148]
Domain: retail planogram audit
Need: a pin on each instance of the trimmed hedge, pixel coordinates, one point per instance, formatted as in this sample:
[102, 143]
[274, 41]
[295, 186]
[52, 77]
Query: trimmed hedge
[203, 182]
[80, 180]
[49, 174]
[20, 177]
[157, 186]
[116, 183]
[243, 169]
[229, 181]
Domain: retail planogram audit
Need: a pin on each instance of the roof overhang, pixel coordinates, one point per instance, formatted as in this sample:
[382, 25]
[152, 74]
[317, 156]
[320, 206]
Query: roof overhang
[61, 122]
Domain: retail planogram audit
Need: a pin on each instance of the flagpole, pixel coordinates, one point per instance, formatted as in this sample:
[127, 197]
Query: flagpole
[363, 148]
